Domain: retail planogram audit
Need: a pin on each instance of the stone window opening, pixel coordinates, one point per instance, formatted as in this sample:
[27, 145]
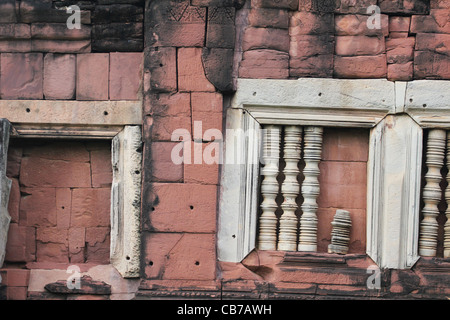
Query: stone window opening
[117, 123]
[395, 115]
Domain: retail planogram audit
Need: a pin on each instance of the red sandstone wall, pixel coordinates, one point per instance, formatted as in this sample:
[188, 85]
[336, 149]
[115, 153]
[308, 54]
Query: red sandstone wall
[193, 50]
[59, 206]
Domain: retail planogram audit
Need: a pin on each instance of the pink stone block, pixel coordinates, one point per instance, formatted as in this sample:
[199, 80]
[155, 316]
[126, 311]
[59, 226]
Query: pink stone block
[125, 76]
[191, 74]
[21, 76]
[59, 76]
[93, 76]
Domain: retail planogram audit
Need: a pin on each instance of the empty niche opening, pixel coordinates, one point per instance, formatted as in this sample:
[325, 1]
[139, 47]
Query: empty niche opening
[59, 202]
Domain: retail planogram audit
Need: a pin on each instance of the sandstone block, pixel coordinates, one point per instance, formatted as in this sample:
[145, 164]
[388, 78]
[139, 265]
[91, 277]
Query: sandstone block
[220, 28]
[175, 24]
[311, 23]
[399, 23]
[8, 11]
[431, 65]
[92, 76]
[400, 50]
[345, 145]
[438, 21]
[183, 207]
[90, 207]
[40, 172]
[191, 75]
[164, 169]
[162, 65]
[193, 257]
[125, 75]
[405, 6]
[170, 104]
[38, 207]
[21, 76]
[268, 18]
[358, 25]
[265, 38]
[59, 76]
[282, 4]
[401, 71]
[264, 64]
[360, 66]
[343, 185]
[359, 45]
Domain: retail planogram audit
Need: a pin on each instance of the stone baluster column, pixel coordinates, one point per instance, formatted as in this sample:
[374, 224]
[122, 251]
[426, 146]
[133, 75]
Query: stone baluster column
[287, 237]
[269, 188]
[432, 192]
[447, 199]
[310, 189]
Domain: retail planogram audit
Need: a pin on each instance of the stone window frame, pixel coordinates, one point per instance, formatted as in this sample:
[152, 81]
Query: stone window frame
[117, 121]
[396, 114]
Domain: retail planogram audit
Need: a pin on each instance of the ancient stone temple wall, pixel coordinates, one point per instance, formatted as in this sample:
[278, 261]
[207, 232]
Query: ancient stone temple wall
[361, 83]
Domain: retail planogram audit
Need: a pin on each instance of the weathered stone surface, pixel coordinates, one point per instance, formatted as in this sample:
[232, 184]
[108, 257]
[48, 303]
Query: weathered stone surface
[15, 31]
[351, 6]
[265, 38]
[399, 23]
[431, 65]
[401, 71]
[59, 31]
[400, 50]
[268, 18]
[325, 6]
[101, 169]
[360, 66]
[38, 207]
[125, 75]
[169, 104]
[42, 11]
[8, 11]
[5, 187]
[120, 12]
[191, 74]
[88, 286]
[21, 76]
[438, 21]
[91, 207]
[59, 76]
[61, 46]
[311, 23]
[405, 6]
[220, 28]
[439, 43]
[218, 66]
[218, 3]
[316, 66]
[356, 25]
[59, 173]
[122, 37]
[161, 63]
[93, 76]
[347, 145]
[359, 45]
[175, 23]
[190, 213]
[164, 169]
[282, 4]
[264, 64]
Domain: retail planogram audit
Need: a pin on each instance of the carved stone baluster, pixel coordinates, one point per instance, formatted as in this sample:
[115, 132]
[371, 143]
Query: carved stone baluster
[310, 189]
[447, 199]
[287, 237]
[269, 188]
[340, 234]
[432, 193]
